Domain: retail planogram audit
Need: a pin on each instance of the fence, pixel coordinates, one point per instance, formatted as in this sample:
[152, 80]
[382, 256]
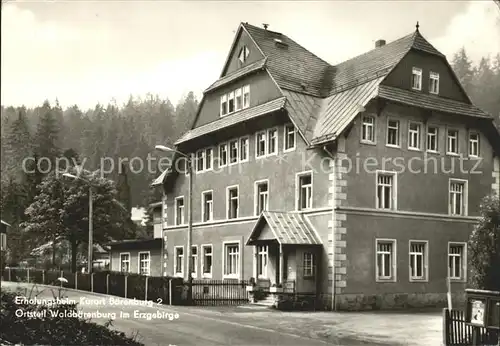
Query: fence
[125, 285]
[456, 332]
[219, 292]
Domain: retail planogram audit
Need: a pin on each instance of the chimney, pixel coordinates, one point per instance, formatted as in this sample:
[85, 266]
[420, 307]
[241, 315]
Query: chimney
[379, 43]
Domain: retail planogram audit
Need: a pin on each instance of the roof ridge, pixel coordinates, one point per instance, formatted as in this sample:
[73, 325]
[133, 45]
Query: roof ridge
[384, 47]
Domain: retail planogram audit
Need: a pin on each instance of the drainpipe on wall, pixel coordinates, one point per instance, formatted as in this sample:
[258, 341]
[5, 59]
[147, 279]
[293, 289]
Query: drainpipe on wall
[334, 173]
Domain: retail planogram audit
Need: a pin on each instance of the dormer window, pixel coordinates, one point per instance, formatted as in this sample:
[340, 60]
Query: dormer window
[223, 105]
[235, 100]
[230, 102]
[434, 83]
[416, 79]
[244, 53]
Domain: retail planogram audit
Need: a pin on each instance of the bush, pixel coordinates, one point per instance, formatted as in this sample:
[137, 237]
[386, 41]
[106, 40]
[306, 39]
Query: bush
[484, 247]
[49, 330]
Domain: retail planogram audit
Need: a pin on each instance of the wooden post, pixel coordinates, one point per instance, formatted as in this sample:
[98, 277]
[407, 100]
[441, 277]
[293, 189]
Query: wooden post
[255, 263]
[282, 265]
[28, 274]
[126, 285]
[170, 291]
[146, 289]
[92, 282]
[76, 280]
[448, 295]
[43, 277]
[446, 321]
[475, 336]
[10, 277]
[107, 283]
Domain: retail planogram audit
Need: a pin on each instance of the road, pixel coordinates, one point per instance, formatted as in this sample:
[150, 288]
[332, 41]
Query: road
[190, 328]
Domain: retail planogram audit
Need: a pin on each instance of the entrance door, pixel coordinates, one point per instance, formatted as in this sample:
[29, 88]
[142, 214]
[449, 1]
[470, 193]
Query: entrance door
[262, 261]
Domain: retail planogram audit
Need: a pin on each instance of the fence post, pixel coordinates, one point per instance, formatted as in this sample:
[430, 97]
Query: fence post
[10, 277]
[146, 288]
[446, 323]
[107, 283]
[92, 282]
[126, 285]
[43, 277]
[170, 291]
[28, 274]
[76, 280]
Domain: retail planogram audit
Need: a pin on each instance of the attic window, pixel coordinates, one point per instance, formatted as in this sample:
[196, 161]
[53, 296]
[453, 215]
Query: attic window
[244, 53]
[280, 43]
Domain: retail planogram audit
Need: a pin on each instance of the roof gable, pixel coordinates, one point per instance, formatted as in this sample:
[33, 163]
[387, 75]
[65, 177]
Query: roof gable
[292, 66]
[241, 39]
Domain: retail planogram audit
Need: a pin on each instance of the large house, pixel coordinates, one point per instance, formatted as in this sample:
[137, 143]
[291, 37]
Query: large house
[358, 183]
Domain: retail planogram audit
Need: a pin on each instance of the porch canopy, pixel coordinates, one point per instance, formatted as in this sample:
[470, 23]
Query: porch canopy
[287, 228]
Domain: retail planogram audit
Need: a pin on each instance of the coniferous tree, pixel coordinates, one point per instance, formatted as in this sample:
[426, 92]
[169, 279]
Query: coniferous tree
[47, 137]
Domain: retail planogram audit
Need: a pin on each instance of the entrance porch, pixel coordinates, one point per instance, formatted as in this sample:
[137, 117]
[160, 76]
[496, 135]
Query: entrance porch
[286, 257]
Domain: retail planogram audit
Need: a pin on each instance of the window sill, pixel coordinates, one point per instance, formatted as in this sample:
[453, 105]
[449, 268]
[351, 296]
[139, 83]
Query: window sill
[419, 280]
[206, 276]
[458, 280]
[435, 152]
[179, 275]
[474, 157]
[368, 142]
[414, 149]
[453, 154]
[289, 150]
[230, 277]
[416, 89]
[383, 280]
[393, 146]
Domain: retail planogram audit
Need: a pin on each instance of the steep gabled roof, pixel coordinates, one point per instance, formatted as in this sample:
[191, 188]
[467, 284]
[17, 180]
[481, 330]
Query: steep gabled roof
[377, 62]
[292, 66]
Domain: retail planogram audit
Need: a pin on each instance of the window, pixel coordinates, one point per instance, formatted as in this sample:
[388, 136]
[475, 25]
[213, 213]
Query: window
[262, 253]
[289, 137]
[208, 159]
[223, 155]
[432, 138]
[231, 260]
[204, 160]
[414, 136]
[223, 105]
[207, 261]
[272, 138]
[246, 96]
[386, 260]
[232, 202]
[434, 83]
[304, 191]
[386, 190]
[230, 102]
[416, 78]
[194, 261]
[239, 99]
[418, 260]
[261, 144]
[179, 211]
[452, 141]
[243, 56]
[207, 206]
[179, 260]
[262, 197]
[233, 151]
[308, 264]
[474, 144]
[457, 261]
[243, 149]
[125, 262]
[3, 241]
[368, 129]
[144, 263]
[458, 197]
[393, 133]
[200, 161]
